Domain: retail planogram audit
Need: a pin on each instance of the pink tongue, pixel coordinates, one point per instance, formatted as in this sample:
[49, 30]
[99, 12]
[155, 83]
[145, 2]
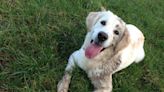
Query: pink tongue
[92, 50]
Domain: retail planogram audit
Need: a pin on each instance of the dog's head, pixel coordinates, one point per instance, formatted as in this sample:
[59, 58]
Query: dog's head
[106, 29]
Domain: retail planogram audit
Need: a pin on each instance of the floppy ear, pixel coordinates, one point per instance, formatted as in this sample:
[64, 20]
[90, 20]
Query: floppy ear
[92, 19]
[124, 42]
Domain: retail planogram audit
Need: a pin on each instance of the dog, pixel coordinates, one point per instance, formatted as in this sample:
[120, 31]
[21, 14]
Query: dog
[110, 45]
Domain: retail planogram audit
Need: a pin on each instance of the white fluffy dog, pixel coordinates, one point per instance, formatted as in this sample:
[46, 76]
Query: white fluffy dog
[110, 45]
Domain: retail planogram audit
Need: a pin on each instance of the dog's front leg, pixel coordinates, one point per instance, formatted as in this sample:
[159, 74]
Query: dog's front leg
[63, 84]
[103, 84]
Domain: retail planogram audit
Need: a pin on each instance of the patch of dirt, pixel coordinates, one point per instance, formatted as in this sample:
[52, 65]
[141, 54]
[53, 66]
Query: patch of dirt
[5, 58]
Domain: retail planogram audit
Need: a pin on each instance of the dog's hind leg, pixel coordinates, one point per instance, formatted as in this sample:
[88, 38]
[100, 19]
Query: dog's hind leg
[63, 84]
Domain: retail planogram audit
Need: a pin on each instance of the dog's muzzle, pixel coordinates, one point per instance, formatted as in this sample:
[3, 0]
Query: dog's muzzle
[96, 45]
[101, 37]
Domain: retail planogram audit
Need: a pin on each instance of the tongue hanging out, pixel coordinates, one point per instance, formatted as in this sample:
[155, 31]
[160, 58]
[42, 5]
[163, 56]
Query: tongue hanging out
[93, 50]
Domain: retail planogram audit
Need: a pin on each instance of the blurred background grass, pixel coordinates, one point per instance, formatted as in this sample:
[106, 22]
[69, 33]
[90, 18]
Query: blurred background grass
[37, 37]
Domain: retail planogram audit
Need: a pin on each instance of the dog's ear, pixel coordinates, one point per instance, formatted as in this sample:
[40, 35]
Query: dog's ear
[92, 19]
[124, 42]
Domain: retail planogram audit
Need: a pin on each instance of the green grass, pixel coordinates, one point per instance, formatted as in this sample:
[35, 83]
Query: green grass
[37, 37]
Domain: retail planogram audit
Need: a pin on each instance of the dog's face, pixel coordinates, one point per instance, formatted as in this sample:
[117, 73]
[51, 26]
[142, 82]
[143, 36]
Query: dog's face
[106, 30]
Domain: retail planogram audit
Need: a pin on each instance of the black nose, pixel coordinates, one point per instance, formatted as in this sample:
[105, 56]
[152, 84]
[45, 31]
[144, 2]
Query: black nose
[102, 36]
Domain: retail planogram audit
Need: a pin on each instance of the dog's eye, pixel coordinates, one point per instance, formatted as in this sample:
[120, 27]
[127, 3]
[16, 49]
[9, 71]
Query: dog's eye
[103, 23]
[116, 32]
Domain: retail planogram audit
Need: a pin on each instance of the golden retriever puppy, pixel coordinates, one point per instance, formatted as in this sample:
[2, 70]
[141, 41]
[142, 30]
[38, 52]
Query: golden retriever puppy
[110, 45]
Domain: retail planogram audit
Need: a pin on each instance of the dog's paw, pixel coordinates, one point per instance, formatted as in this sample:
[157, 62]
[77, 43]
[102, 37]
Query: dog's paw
[63, 90]
[62, 86]
[103, 90]
[64, 83]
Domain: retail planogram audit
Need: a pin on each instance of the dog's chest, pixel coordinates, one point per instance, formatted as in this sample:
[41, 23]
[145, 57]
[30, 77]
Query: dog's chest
[91, 66]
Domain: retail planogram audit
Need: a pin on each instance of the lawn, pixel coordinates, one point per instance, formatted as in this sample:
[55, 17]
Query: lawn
[37, 37]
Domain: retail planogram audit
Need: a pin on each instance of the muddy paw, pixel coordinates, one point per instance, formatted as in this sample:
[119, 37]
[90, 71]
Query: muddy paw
[64, 83]
[62, 86]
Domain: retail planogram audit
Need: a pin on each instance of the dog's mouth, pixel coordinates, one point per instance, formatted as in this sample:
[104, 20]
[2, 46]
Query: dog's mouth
[93, 50]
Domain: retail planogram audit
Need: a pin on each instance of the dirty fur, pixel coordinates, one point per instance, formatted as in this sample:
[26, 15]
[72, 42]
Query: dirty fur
[123, 50]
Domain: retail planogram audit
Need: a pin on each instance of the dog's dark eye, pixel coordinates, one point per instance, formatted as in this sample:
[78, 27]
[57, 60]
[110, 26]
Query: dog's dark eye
[103, 23]
[116, 32]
